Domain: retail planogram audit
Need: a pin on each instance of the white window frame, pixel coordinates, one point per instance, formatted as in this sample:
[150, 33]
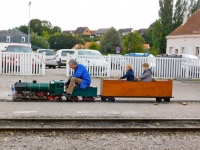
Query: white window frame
[23, 39]
[7, 39]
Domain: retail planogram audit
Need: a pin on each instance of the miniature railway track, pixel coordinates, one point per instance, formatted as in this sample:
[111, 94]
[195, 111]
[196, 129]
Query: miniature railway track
[99, 101]
[99, 124]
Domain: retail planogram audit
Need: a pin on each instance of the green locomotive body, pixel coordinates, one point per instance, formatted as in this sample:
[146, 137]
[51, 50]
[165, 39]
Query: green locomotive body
[52, 90]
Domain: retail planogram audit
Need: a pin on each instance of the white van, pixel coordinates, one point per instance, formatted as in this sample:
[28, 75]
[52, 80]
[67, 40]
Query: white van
[61, 56]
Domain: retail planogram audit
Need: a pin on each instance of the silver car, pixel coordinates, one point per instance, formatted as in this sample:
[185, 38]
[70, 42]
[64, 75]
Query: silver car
[50, 58]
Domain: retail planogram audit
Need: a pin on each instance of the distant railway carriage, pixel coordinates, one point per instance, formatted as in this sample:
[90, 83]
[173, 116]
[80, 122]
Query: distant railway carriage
[109, 90]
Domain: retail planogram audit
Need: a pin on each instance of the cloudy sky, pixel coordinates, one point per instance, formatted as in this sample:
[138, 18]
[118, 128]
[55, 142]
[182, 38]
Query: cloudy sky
[70, 14]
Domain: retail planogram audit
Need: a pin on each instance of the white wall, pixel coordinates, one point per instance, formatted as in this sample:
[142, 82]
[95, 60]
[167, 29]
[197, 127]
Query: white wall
[186, 44]
[3, 45]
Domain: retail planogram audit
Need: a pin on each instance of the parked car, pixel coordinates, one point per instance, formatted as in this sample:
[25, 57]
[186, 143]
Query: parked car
[50, 58]
[194, 64]
[122, 61]
[12, 61]
[92, 59]
[61, 56]
[117, 61]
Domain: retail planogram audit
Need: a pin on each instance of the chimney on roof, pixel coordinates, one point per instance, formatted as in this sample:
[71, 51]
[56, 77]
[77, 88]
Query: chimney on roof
[185, 16]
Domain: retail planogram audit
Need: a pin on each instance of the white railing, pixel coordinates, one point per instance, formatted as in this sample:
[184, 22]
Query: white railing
[22, 63]
[114, 66]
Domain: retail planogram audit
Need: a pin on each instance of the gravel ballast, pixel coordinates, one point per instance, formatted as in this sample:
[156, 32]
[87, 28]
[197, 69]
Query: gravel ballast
[99, 140]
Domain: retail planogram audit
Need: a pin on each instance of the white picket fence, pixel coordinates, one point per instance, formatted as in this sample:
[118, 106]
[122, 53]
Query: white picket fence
[22, 63]
[114, 66]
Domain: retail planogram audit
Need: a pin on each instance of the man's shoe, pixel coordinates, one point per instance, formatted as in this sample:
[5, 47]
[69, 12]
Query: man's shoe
[67, 95]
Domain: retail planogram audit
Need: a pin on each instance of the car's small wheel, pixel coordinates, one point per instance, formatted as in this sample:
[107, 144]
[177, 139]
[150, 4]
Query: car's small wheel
[54, 67]
[49, 67]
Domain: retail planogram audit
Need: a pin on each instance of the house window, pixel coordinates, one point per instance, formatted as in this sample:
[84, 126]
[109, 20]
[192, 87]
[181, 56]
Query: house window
[197, 51]
[176, 51]
[7, 39]
[86, 30]
[183, 50]
[170, 50]
[23, 39]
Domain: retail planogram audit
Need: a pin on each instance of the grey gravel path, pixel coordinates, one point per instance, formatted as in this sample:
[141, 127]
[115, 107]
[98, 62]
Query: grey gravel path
[99, 141]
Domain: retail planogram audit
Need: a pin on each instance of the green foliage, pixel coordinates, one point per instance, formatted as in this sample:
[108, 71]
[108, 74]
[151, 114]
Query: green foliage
[180, 7]
[87, 39]
[36, 26]
[45, 34]
[94, 46]
[133, 43]
[110, 41]
[39, 41]
[194, 5]
[63, 41]
[154, 51]
[157, 34]
[24, 29]
[165, 14]
[56, 29]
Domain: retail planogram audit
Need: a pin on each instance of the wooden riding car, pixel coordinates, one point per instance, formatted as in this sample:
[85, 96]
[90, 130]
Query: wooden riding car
[161, 90]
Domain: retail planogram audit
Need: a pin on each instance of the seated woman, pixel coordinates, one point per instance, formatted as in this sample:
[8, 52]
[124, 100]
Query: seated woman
[147, 74]
[129, 74]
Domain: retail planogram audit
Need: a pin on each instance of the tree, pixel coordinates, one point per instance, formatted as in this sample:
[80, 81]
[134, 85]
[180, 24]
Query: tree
[157, 35]
[36, 26]
[61, 41]
[110, 41]
[194, 5]
[94, 46]
[56, 29]
[180, 7]
[165, 18]
[39, 41]
[24, 29]
[133, 43]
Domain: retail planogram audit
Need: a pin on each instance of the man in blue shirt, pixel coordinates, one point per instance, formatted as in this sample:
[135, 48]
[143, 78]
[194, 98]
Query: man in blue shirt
[80, 77]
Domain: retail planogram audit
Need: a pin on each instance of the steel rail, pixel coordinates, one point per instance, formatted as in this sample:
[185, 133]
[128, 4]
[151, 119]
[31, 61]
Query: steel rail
[115, 120]
[105, 119]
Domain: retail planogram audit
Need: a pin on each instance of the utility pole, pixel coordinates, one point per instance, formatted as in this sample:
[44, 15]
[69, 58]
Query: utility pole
[29, 25]
[129, 46]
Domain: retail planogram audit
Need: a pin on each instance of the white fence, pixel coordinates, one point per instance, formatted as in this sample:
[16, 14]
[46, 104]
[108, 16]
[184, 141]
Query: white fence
[114, 66]
[22, 63]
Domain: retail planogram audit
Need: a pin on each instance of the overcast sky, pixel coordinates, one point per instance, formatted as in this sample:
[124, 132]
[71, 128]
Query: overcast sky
[70, 14]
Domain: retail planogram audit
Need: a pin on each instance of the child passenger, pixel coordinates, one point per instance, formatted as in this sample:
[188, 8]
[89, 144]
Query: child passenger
[129, 73]
[147, 74]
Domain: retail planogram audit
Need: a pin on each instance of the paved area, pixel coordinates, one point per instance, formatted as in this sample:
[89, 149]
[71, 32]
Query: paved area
[122, 110]
[181, 90]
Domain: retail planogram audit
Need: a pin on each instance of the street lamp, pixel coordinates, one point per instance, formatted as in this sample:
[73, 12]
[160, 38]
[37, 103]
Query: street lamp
[29, 25]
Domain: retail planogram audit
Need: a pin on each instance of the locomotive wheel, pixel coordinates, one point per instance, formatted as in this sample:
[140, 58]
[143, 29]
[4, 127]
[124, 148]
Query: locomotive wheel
[158, 99]
[167, 100]
[103, 99]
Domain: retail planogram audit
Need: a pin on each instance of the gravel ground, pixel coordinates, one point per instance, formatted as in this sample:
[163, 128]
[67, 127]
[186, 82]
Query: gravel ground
[99, 141]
